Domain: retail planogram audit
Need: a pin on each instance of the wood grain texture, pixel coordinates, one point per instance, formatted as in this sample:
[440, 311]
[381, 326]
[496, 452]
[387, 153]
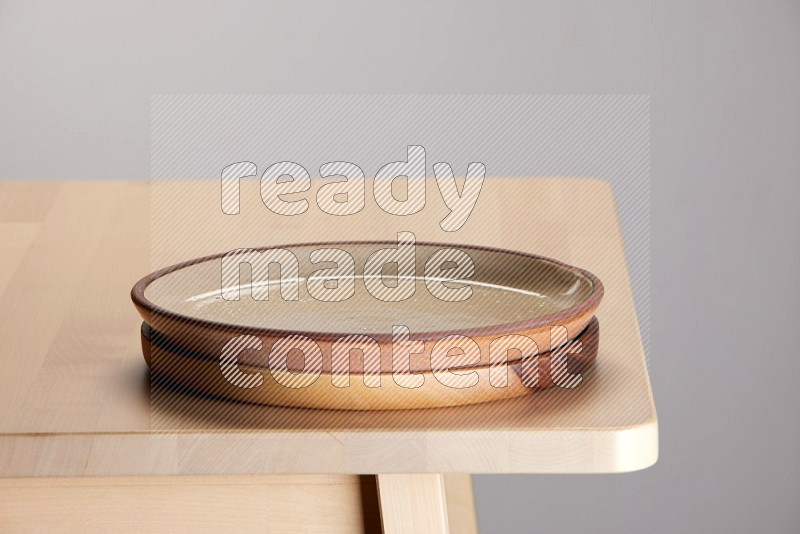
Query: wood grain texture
[272, 504]
[460, 498]
[413, 503]
[76, 397]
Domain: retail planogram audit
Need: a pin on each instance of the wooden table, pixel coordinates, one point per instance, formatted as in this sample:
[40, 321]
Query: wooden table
[83, 448]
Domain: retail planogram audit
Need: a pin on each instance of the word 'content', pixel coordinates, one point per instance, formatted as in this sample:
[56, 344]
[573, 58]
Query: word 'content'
[347, 196]
[450, 358]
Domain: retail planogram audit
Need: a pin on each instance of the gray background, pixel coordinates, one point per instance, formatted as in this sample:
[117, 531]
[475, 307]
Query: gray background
[75, 86]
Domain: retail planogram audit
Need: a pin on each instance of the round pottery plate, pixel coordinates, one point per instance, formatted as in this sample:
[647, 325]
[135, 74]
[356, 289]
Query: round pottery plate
[202, 374]
[316, 305]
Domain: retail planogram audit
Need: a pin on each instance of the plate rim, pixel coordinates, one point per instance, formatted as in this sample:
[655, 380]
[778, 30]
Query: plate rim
[591, 302]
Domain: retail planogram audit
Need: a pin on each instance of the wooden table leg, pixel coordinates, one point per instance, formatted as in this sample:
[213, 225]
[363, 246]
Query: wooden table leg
[413, 503]
[433, 503]
[460, 503]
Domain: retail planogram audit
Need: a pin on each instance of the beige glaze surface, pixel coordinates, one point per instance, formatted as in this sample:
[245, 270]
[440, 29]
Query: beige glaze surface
[506, 288]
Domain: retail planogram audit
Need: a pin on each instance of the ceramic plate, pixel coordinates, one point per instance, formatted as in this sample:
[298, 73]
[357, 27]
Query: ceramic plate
[480, 295]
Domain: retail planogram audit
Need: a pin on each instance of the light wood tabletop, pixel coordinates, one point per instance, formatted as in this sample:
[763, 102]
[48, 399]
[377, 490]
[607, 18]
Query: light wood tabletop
[76, 398]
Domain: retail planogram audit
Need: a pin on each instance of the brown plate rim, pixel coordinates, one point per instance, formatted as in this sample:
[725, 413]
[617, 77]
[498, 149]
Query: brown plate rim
[138, 298]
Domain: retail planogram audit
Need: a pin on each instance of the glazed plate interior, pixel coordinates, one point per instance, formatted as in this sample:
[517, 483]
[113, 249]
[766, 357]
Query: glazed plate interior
[507, 287]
